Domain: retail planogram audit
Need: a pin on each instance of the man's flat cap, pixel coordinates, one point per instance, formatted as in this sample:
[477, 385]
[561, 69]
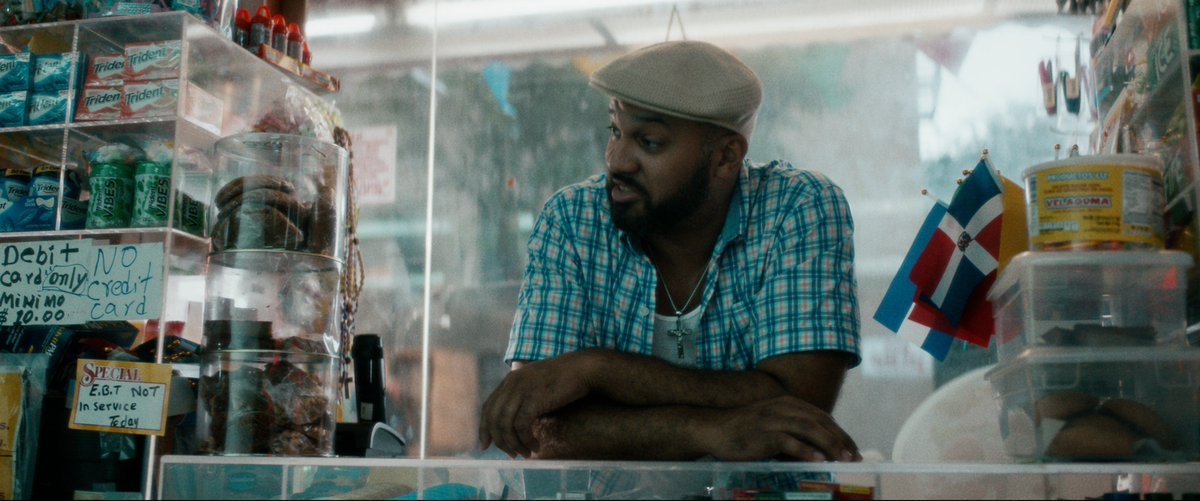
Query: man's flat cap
[687, 79]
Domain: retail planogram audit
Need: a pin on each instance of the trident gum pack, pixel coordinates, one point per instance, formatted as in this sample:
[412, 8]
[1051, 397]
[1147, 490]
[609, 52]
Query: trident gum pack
[100, 102]
[52, 72]
[154, 98]
[105, 69]
[15, 74]
[153, 60]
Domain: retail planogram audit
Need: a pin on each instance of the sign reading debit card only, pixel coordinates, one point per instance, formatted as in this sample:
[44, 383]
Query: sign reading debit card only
[63, 282]
[121, 397]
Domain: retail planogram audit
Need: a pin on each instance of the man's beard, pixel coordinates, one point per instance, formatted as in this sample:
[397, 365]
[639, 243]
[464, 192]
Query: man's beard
[665, 215]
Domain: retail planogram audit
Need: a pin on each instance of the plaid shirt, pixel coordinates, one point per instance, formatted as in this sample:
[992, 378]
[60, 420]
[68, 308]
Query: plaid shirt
[783, 280]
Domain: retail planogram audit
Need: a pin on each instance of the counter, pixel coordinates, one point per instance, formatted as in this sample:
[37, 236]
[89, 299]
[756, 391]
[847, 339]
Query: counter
[213, 477]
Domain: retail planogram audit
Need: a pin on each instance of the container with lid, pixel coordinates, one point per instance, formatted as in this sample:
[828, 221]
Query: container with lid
[1091, 300]
[1129, 404]
[1101, 202]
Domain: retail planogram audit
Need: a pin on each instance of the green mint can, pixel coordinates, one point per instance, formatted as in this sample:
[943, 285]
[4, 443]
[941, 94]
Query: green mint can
[152, 194]
[189, 214]
[112, 196]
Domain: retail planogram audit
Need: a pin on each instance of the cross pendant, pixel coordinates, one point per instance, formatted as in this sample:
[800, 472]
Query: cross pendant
[678, 333]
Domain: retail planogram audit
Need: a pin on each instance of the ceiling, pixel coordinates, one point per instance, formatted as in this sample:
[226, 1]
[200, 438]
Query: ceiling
[401, 32]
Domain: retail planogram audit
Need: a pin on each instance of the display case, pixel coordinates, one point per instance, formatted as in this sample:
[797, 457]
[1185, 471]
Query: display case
[184, 88]
[1145, 64]
[192, 477]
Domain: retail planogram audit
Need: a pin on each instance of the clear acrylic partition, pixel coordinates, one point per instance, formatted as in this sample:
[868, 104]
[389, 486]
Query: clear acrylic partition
[883, 105]
[885, 98]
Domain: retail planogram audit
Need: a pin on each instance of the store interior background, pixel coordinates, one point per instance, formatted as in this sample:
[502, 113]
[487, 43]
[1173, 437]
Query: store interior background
[886, 97]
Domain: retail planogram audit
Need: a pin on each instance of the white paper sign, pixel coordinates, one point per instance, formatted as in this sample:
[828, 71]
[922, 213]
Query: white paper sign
[122, 397]
[375, 164]
[64, 282]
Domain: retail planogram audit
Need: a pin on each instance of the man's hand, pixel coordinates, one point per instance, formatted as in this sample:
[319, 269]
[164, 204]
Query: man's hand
[527, 393]
[782, 427]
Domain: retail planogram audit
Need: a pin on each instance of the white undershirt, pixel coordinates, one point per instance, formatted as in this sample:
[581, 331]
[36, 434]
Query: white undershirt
[665, 345]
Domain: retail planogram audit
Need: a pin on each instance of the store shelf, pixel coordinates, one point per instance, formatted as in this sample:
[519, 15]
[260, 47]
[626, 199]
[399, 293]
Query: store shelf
[213, 477]
[223, 90]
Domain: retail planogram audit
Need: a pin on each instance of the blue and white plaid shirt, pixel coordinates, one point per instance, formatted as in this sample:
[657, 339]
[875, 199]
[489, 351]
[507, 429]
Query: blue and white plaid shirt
[783, 280]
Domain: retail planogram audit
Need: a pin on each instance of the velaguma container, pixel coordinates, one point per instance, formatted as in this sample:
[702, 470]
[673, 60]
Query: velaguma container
[1101, 202]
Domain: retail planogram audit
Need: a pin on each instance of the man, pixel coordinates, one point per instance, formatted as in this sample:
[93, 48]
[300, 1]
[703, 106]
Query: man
[686, 304]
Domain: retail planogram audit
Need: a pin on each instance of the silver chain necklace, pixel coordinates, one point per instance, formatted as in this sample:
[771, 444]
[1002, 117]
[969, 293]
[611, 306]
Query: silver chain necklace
[679, 332]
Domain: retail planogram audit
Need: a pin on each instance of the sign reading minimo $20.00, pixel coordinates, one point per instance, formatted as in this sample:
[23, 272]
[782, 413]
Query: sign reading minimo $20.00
[64, 282]
[121, 397]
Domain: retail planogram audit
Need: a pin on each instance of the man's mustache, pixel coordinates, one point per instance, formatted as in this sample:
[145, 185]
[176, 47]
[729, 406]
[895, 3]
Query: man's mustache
[627, 181]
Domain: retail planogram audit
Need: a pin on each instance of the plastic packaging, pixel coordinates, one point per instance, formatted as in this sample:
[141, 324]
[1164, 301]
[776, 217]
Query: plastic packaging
[151, 194]
[277, 403]
[111, 203]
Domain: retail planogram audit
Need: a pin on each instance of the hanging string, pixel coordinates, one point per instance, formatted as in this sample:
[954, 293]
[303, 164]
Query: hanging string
[671, 23]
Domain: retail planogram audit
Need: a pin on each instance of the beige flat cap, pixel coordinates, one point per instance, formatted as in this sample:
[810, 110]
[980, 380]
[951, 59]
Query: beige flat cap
[687, 79]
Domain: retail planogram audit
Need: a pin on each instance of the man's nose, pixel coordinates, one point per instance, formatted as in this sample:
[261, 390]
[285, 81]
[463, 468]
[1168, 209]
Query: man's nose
[618, 159]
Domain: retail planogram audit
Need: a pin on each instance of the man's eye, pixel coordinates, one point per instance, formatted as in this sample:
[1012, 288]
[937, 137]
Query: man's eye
[650, 144]
[614, 131]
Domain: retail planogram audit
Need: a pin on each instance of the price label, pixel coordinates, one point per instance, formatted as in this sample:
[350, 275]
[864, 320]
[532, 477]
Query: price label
[64, 282]
[121, 397]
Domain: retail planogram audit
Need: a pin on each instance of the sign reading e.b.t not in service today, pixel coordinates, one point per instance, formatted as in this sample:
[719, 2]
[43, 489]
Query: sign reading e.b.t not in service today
[63, 282]
[120, 397]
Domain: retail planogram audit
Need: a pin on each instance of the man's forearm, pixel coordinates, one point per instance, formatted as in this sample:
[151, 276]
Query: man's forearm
[600, 430]
[780, 428]
[639, 380]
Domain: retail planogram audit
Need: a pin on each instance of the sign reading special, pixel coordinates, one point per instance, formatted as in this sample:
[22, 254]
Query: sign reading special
[121, 397]
[72, 281]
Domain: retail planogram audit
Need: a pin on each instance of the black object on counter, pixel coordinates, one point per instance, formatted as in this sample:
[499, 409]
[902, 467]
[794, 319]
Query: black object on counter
[367, 354]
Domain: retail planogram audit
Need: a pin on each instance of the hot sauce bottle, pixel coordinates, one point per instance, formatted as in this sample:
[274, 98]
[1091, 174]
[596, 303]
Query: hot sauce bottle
[241, 28]
[295, 42]
[279, 34]
[260, 28]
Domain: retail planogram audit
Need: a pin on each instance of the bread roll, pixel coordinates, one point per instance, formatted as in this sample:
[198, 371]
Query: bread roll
[1064, 405]
[280, 200]
[256, 228]
[250, 183]
[1141, 419]
[1093, 436]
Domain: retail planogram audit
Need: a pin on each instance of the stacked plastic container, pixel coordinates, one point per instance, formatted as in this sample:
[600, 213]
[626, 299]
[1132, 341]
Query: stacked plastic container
[269, 372]
[1094, 362]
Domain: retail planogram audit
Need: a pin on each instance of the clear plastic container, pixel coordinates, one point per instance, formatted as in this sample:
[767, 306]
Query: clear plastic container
[280, 192]
[269, 300]
[260, 402]
[1091, 300]
[1100, 404]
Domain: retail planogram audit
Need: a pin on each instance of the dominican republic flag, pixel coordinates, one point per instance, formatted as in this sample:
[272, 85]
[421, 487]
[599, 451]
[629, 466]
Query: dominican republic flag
[964, 250]
[896, 311]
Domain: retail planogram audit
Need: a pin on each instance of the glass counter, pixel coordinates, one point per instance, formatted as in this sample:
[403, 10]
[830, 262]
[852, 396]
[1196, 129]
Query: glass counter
[212, 477]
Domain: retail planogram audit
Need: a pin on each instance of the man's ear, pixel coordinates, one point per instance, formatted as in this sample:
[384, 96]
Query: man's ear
[729, 154]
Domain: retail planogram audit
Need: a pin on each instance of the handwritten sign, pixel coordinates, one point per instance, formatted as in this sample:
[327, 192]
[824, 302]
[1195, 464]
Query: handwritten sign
[121, 397]
[72, 281]
[375, 164]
